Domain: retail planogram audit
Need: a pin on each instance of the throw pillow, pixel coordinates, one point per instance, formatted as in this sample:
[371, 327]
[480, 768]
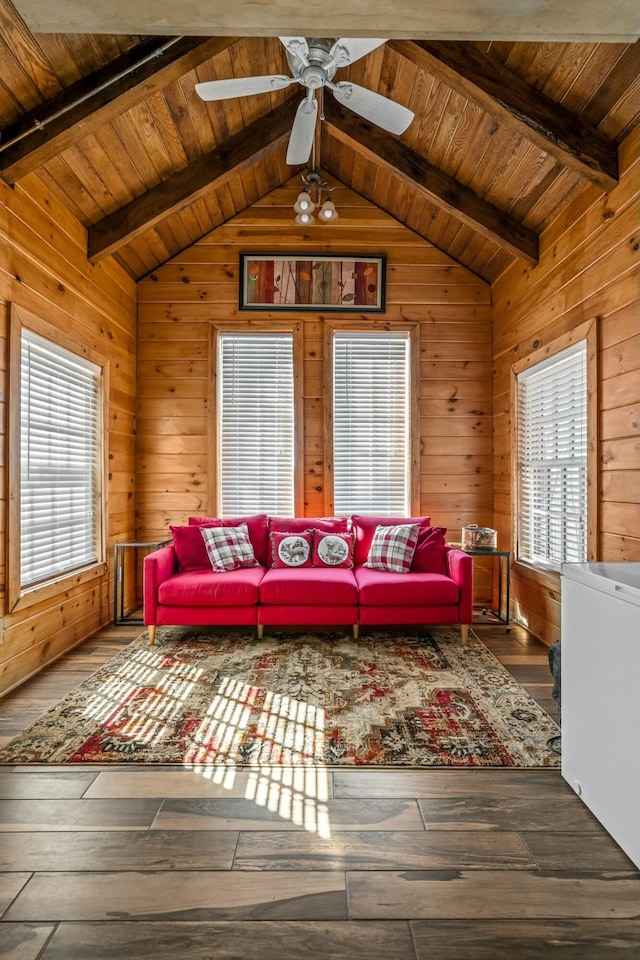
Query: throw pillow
[257, 526]
[430, 554]
[228, 548]
[190, 549]
[332, 549]
[291, 549]
[364, 527]
[392, 548]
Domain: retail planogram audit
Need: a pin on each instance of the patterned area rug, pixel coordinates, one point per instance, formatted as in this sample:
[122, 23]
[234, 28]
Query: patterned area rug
[415, 700]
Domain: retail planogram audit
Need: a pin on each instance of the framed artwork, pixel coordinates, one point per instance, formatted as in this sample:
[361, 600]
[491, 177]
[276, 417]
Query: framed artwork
[312, 281]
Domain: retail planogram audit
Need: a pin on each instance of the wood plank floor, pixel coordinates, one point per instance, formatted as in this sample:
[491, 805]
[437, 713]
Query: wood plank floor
[158, 862]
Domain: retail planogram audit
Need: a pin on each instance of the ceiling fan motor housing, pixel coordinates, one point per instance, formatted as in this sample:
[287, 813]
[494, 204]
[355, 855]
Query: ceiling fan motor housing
[313, 74]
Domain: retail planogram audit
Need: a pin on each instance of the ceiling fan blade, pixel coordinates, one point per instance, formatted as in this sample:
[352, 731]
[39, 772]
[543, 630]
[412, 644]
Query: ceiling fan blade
[372, 106]
[297, 46]
[348, 49]
[302, 132]
[240, 87]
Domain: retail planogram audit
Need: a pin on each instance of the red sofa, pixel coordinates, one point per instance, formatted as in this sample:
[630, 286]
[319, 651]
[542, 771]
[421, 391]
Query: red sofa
[191, 594]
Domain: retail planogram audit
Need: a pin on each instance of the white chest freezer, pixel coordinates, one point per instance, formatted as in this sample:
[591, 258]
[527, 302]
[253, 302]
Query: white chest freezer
[600, 664]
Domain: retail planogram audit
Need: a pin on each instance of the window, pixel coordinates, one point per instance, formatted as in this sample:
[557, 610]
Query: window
[552, 459]
[256, 423]
[372, 442]
[56, 437]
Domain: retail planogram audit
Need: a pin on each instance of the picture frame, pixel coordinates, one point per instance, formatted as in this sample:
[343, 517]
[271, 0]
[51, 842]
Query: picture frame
[345, 282]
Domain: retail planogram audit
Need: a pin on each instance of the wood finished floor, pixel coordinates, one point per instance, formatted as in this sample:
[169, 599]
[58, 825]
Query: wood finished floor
[136, 862]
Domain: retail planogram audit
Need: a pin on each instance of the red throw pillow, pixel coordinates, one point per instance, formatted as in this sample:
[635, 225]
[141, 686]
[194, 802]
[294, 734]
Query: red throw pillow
[256, 524]
[190, 549]
[290, 549]
[364, 528]
[332, 549]
[430, 554]
[392, 548]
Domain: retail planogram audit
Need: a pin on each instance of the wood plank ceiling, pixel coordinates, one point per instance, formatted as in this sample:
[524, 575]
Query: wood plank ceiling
[504, 134]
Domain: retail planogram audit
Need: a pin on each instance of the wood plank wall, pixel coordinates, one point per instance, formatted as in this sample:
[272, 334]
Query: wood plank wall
[589, 268]
[179, 300]
[43, 268]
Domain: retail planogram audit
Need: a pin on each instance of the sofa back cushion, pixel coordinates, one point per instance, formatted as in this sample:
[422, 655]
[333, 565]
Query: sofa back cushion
[430, 555]
[364, 528]
[256, 525]
[299, 524]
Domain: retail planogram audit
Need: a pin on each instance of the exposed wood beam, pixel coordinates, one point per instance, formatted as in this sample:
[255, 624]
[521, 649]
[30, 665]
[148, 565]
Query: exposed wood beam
[510, 99]
[440, 188]
[95, 100]
[532, 20]
[208, 172]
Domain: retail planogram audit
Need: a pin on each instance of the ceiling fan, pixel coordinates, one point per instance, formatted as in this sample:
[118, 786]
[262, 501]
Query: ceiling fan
[313, 63]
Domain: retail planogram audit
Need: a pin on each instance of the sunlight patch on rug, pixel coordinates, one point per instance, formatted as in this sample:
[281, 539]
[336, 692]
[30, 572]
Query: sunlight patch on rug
[203, 697]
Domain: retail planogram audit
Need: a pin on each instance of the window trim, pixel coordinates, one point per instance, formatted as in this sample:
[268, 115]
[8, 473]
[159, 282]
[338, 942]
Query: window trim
[587, 332]
[19, 597]
[257, 327]
[373, 326]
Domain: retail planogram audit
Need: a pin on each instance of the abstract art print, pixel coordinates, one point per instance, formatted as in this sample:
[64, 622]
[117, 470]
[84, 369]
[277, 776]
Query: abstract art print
[290, 281]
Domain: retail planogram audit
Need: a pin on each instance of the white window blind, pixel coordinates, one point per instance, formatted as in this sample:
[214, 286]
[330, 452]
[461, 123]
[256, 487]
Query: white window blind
[59, 460]
[256, 423]
[371, 423]
[552, 460]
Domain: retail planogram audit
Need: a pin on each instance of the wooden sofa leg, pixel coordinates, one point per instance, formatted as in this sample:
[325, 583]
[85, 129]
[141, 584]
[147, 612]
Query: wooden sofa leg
[152, 634]
[356, 631]
[464, 633]
[260, 630]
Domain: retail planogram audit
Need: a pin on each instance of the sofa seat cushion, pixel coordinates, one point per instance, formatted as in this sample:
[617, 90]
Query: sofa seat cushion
[379, 588]
[309, 586]
[202, 588]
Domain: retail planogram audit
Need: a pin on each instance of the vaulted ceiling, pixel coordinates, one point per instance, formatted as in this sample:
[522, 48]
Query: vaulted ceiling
[504, 134]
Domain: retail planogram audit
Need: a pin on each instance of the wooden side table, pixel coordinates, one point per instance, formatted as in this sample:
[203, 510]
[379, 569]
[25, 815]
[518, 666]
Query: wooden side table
[119, 552]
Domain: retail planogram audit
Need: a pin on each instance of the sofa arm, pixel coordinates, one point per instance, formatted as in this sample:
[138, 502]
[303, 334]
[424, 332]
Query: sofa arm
[158, 567]
[460, 566]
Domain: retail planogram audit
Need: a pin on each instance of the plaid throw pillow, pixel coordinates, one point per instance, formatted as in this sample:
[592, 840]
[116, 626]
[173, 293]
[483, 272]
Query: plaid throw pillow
[392, 548]
[228, 548]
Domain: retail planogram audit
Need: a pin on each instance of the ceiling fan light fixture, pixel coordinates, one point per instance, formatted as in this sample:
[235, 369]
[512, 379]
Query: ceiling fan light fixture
[304, 203]
[328, 211]
[311, 198]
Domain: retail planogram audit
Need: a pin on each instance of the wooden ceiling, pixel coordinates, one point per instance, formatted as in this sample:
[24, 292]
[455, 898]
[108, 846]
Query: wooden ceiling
[504, 134]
